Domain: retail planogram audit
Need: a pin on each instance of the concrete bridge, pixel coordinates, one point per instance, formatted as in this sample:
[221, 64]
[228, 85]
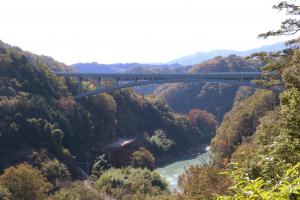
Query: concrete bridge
[125, 80]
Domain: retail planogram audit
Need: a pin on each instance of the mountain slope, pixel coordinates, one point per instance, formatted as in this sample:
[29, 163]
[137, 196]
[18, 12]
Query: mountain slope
[214, 98]
[34, 59]
[241, 121]
[40, 120]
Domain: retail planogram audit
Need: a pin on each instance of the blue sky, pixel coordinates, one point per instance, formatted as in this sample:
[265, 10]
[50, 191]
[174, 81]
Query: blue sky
[112, 31]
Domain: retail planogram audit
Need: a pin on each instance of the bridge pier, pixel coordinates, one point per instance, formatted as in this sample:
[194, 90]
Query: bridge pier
[117, 82]
[79, 84]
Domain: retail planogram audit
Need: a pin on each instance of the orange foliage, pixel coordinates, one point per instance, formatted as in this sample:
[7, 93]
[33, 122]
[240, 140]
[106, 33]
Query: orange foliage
[221, 145]
[197, 114]
[66, 103]
[205, 121]
[203, 182]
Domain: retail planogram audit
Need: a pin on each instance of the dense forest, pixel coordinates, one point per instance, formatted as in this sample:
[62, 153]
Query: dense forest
[214, 98]
[47, 134]
[256, 150]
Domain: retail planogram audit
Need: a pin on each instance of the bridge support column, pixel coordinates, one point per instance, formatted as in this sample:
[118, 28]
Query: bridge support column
[98, 83]
[117, 82]
[79, 86]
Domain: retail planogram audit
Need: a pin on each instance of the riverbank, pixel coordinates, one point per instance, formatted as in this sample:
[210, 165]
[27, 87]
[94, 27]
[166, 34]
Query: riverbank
[174, 169]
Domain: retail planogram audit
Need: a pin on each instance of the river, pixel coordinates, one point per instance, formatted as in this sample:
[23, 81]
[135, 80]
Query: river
[174, 169]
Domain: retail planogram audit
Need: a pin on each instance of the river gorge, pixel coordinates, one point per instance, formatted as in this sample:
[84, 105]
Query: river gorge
[172, 171]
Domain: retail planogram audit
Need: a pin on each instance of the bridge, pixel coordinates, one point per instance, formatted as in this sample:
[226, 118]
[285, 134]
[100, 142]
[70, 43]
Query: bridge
[125, 80]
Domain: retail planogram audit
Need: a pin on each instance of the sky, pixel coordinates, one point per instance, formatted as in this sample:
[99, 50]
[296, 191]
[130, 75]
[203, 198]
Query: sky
[147, 31]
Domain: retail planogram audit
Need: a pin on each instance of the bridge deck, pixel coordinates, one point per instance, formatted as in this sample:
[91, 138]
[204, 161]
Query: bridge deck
[138, 79]
[161, 75]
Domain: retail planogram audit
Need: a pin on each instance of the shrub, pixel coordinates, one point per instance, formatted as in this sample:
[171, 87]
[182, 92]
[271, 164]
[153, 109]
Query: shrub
[129, 181]
[160, 140]
[75, 191]
[287, 187]
[142, 158]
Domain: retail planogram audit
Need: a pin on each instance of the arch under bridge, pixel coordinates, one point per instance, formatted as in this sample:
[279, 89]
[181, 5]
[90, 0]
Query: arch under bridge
[125, 80]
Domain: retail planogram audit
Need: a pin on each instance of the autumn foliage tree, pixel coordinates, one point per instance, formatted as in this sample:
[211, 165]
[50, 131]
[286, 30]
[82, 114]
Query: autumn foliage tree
[25, 182]
[203, 182]
[205, 121]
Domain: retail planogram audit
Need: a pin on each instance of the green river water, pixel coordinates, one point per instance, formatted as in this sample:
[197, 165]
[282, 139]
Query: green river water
[173, 170]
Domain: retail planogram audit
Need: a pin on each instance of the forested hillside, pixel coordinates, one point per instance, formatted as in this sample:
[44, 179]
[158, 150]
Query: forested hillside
[60, 140]
[107, 146]
[240, 122]
[256, 148]
[214, 98]
[257, 144]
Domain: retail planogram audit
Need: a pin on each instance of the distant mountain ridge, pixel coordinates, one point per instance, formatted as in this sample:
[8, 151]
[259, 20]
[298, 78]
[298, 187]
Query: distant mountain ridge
[95, 67]
[203, 56]
[177, 65]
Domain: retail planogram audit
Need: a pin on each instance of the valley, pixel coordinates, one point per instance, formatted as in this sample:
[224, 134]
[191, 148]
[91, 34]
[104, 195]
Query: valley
[219, 124]
[120, 134]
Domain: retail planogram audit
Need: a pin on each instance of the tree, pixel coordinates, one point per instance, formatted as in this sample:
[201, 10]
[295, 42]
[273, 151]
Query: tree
[55, 172]
[142, 158]
[100, 165]
[160, 140]
[241, 122]
[128, 183]
[285, 147]
[4, 193]
[203, 182]
[287, 187]
[286, 62]
[272, 169]
[205, 121]
[291, 25]
[277, 138]
[25, 182]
